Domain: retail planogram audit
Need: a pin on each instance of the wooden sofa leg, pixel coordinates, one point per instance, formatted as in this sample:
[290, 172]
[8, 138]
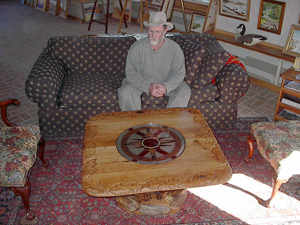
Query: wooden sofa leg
[276, 184]
[250, 141]
[24, 192]
[41, 145]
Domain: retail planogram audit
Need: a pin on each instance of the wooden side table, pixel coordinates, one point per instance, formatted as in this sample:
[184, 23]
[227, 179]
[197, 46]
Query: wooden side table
[282, 102]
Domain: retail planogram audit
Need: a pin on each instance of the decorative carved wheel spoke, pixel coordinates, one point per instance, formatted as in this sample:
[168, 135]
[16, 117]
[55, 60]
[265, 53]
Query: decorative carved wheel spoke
[150, 144]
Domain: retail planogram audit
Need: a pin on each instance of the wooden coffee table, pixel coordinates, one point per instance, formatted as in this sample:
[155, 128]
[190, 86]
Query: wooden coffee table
[139, 185]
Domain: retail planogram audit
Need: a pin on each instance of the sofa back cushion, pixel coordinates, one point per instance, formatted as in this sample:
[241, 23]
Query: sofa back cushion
[193, 54]
[86, 55]
[215, 56]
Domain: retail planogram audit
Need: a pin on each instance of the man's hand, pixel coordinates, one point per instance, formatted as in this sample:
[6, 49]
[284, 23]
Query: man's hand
[157, 90]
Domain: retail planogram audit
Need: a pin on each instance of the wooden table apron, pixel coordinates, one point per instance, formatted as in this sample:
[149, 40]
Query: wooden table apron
[106, 173]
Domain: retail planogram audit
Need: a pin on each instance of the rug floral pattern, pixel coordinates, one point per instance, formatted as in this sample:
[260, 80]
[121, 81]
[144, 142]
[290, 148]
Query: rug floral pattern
[57, 196]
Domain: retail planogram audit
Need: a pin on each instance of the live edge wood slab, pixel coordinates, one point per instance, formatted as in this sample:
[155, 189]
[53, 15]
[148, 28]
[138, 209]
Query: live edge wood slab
[151, 189]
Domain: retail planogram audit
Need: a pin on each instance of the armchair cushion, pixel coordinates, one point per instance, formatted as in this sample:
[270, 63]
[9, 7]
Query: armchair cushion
[18, 147]
[278, 143]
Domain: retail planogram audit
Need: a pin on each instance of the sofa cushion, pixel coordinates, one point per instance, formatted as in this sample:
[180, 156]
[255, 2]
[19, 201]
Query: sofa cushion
[215, 56]
[87, 55]
[89, 90]
[193, 54]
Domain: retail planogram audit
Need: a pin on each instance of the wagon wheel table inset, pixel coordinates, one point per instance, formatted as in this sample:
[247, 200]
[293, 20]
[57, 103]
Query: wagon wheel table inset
[147, 159]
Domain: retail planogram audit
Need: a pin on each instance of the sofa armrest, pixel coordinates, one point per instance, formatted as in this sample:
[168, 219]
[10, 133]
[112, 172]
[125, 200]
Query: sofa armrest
[232, 82]
[45, 80]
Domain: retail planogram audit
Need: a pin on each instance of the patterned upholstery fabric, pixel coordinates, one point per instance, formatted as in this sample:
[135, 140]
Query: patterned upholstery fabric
[203, 93]
[193, 56]
[99, 92]
[45, 80]
[279, 144]
[18, 147]
[86, 55]
[215, 56]
[230, 87]
[77, 77]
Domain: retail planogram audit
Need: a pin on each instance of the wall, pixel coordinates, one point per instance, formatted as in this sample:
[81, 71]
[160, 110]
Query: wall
[259, 65]
[291, 16]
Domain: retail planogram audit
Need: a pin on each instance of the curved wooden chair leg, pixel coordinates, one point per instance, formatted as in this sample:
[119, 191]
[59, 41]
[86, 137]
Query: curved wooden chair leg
[41, 145]
[250, 141]
[24, 192]
[276, 184]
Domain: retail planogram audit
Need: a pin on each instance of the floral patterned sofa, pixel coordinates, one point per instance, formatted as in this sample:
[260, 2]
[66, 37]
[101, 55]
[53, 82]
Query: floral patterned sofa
[76, 77]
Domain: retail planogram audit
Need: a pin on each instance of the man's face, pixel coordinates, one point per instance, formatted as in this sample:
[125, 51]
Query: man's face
[156, 34]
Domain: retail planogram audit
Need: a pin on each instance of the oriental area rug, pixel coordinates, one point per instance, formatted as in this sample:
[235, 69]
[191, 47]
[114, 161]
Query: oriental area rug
[57, 196]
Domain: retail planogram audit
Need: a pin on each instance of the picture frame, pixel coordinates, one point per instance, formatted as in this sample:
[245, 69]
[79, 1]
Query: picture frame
[41, 5]
[271, 16]
[211, 17]
[87, 10]
[197, 23]
[235, 9]
[292, 45]
[53, 7]
[63, 8]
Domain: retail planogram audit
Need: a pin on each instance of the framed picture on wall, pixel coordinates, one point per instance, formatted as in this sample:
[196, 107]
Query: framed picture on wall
[238, 9]
[197, 23]
[292, 45]
[271, 16]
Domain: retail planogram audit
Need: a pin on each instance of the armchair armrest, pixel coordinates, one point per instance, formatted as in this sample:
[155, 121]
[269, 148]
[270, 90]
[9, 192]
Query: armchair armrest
[232, 82]
[45, 80]
[4, 106]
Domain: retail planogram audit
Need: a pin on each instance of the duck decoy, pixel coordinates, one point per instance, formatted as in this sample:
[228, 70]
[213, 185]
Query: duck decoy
[247, 39]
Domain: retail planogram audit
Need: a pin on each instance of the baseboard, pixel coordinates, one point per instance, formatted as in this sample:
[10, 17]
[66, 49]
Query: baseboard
[265, 84]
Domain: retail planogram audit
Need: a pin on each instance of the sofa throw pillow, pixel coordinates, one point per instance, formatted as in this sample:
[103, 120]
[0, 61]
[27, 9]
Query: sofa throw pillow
[215, 56]
[193, 54]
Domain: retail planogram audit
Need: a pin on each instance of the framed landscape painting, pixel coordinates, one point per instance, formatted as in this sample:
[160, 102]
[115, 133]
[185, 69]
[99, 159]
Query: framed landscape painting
[271, 16]
[292, 45]
[238, 9]
[197, 23]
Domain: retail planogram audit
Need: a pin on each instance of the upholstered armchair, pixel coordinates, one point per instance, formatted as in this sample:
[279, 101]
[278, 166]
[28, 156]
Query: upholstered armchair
[279, 145]
[18, 150]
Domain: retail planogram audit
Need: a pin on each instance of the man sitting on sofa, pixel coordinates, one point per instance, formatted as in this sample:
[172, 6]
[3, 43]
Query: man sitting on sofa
[154, 65]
